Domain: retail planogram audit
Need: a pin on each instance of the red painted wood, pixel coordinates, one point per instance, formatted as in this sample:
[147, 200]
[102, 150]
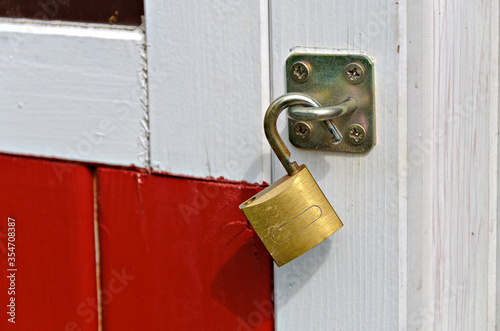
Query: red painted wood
[177, 254]
[52, 204]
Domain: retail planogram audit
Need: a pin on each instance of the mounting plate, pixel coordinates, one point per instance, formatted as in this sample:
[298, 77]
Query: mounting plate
[331, 79]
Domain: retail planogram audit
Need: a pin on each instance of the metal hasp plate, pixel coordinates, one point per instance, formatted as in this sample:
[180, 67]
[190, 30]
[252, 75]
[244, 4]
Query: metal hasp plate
[332, 79]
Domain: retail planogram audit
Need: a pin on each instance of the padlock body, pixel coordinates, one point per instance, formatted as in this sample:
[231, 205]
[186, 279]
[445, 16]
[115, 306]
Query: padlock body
[291, 216]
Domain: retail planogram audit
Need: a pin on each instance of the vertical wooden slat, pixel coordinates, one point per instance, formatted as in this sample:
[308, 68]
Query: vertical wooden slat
[353, 280]
[453, 127]
[420, 155]
[178, 254]
[208, 77]
[52, 204]
[461, 124]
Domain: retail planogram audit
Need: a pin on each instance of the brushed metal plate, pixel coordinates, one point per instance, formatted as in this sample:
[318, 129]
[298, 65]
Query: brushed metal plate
[331, 80]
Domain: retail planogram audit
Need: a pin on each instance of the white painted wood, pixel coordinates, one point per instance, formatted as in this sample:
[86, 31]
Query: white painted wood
[72, 91]
[419, 246]
[352, 280]
[420, 84]
[209, 86]
[453, 160]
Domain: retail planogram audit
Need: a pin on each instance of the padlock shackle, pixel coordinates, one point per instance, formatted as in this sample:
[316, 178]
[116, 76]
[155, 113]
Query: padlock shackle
[270, 127]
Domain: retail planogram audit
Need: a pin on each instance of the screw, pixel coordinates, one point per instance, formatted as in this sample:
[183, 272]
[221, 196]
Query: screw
[302, 130]
[354, 73]
[301, 71]
[356, 134]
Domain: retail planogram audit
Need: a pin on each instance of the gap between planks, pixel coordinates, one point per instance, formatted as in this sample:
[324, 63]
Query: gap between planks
[97, 251]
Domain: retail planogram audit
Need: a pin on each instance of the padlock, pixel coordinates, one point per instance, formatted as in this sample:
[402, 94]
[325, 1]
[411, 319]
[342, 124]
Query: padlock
[292, 215]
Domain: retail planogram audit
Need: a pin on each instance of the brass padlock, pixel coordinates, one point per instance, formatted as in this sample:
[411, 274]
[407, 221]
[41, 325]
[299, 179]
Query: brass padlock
[292, 215]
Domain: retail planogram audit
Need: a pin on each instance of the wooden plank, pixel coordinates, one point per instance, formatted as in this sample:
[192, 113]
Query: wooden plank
[178, 254]
[73, 92]
[55, 281]
[462, 114]
[453, 159]
[209, 85]
[419, 45]
[354, 280]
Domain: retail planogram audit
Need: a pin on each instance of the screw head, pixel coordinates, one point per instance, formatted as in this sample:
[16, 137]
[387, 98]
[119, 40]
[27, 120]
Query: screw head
[301, 70]
[302, 131]
[354, 73]
[356, 134]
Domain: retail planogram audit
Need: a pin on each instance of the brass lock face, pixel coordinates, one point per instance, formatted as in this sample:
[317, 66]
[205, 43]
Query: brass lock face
[291, 216]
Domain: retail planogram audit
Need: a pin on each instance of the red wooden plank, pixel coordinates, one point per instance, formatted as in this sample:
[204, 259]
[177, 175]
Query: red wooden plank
[177, 254]
[52, 205]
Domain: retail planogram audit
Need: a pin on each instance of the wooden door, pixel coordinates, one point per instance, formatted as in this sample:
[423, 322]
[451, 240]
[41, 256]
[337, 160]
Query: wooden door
[157, 119]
